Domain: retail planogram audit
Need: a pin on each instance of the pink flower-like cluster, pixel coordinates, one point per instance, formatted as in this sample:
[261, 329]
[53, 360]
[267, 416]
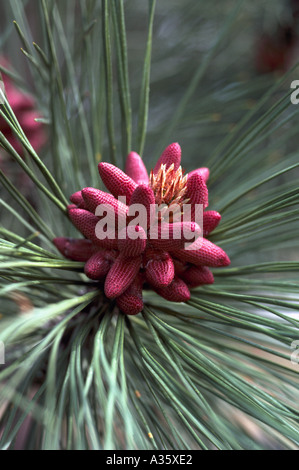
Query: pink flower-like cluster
[23, 105]
[125, 264]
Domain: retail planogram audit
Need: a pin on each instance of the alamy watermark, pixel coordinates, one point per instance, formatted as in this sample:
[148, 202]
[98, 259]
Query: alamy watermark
[2, 353]
[2, 92]
[295, 94]
[295, 354]
[157, 221]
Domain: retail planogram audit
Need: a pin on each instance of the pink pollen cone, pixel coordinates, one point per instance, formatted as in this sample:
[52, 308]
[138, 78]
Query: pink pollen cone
[78, 200]
[72, 206]
[203, 172]
[128, 245]
[97, 266]
[135, 168]
[23, 106]
[170, 237]
[211, 220]
[177, 291]
[95, 197]
[160, 272]
[86, 223]
[197, 193]
[207, 255]
[130, 302]
[116, 181]
[171, 155]
[76, 250]
[196, 276]
[121, 275]
[144, 195]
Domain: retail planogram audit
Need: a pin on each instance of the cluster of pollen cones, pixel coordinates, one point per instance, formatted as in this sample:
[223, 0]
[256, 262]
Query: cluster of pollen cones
[24, 108]
[126, 263]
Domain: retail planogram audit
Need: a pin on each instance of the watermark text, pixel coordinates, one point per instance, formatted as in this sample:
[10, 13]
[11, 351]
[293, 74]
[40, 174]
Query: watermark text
[2, 353]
